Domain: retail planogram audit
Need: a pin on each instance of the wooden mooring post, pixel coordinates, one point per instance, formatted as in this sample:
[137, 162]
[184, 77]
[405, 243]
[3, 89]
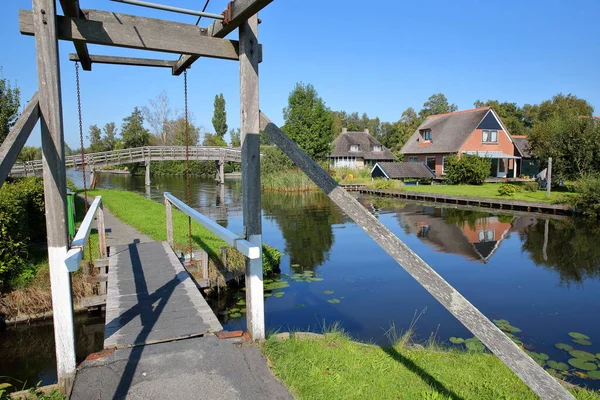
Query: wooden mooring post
[55, 188]
[250, 137]
[501, 345]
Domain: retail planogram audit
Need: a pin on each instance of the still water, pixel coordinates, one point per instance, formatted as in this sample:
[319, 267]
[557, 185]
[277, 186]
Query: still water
[539, 274]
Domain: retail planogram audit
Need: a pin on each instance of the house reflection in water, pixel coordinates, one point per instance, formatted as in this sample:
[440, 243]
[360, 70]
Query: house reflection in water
[474, 235]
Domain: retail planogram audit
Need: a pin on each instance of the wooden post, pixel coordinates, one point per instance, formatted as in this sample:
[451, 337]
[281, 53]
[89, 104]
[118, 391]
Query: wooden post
[55, 188]
[101, 231]
[501, 345]
[250, 137]
[204, 264]
[545, 246]
[169, 222]
[549, 178]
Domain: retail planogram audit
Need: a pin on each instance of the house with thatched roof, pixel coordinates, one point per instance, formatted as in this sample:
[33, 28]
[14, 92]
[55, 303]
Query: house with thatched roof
[477, 132]
[358, 150]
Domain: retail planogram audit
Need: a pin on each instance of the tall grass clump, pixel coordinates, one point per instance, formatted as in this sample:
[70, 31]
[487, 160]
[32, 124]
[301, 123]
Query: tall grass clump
[288, 181]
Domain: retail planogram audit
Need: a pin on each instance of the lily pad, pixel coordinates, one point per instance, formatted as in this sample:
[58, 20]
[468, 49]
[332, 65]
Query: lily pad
[310, 273]
[475, 346]
[276, 285]
[582, 364]
[577, 335]
[243, 310]
[334, 301]
[583, 355]
[235, 315]
[594, 374]
[234, 309]
[583, 342]
[538, 356]
[241, 303]
[268, 295]
[580, 374]
[456, 340]
[329, 292]
[563, 346]
[316, 279]
[559, 366]
[278, 294]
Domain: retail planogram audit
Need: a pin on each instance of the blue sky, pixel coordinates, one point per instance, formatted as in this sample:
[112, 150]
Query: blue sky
[378, 57]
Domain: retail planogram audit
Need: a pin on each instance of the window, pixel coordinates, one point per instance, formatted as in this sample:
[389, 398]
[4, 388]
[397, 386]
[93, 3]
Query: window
[430, 161]
[489, 136]
[486, 235]
[413, 159]
[354, 147]
[377, 148]
[427, 135]
[444, 164]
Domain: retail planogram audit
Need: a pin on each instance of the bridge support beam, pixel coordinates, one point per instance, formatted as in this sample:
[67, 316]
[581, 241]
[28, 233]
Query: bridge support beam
[220, 178]
[250, 136]
[147, 174]
[55, 188]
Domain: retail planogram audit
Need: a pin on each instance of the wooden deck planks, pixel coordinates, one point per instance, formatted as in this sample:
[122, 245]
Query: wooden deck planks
[151, 298]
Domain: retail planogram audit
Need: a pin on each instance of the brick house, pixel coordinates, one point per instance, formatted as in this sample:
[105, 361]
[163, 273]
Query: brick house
[479, 131]
[358, 150]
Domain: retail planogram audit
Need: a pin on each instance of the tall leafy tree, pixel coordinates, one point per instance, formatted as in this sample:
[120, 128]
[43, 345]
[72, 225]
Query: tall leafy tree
[179, 134]
[110, 136]
[213, 139]
[159, 116]
[437, 104]
[234, 135]
[308, 121]
[95, 137]
[219, 119]
[10, 100]
[133, 133]
[30, 153]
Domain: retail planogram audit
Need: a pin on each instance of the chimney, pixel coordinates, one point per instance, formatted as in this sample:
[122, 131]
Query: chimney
[344, 130]
[367, 131]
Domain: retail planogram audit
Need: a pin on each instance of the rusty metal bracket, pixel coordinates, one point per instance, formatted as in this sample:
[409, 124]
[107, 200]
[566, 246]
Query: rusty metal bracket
[228, 13]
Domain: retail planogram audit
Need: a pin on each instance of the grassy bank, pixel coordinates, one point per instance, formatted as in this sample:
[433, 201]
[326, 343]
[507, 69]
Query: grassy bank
[149, 217]
[335, 367]
[490, 191]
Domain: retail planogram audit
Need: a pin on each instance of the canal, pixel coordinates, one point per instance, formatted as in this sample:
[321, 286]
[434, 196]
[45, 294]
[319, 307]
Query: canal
[540, 275]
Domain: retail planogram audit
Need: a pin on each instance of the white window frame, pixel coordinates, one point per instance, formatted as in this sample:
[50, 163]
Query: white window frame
[426, 133]
[434, 160]
[354, 147]
[378, 148]
[489, 132]
[444, 164]
[413, 158]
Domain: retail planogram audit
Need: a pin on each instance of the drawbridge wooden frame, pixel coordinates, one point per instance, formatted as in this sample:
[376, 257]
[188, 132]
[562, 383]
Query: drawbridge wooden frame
[192, 42]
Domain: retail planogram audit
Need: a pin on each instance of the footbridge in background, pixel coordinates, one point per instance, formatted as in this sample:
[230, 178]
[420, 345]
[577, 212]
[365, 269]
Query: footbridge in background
[145, 155]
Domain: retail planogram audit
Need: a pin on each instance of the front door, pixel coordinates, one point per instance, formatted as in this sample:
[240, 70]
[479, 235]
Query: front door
[502, 167]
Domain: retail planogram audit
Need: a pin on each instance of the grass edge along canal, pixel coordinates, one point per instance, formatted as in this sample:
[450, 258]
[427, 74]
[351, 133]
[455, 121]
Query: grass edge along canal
[149, 217]
[334, 366]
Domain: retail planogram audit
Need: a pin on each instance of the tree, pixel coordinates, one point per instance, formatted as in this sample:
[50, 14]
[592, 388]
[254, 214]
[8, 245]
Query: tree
[110, 136]
[179, 135]
[437, 104]
[308, 121]
[572, 141]
[234, 135]
[30, 153]
[133, 132]
[95, 136]
[563, 106]
[10, 100]
[159, 115]
[219, 119]
[213, 139]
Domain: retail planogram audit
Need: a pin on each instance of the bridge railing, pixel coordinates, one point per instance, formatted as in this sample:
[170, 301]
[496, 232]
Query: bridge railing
[77, 248]
[136, 154]
[248, 249]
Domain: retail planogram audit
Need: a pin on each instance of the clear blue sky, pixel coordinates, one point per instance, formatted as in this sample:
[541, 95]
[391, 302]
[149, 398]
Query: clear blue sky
[378, 57]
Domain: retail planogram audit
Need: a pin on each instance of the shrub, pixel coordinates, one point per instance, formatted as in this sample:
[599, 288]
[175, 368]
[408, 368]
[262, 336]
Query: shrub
[468, 169]
[506, 189]
[21, 221]
[274, 160]
[383, 184]
[530, 186]
[587, 201]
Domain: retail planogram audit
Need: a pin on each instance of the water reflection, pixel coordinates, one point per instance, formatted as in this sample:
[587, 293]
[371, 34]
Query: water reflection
[305, 221]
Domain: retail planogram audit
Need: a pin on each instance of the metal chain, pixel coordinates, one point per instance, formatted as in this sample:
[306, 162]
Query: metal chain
[85, 196]
[187, 159]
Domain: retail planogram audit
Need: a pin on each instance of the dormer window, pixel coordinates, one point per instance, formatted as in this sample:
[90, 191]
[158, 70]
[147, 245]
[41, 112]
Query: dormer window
[427, 135]
[377, 148]
[354, 147]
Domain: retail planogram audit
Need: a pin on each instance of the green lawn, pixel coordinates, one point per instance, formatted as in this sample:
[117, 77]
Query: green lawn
[335, 367]
[488, 190]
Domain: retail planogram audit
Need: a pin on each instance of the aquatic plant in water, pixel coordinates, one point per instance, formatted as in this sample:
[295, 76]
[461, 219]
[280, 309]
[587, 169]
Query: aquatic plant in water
[582, 364]
[583, 355]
